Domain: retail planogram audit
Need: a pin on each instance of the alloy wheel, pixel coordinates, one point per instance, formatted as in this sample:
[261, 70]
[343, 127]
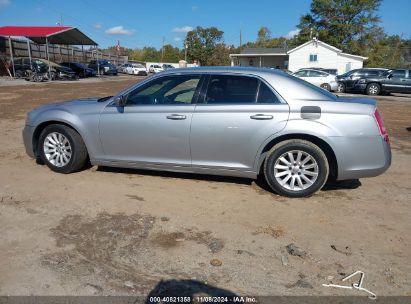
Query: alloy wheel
[296, 170]
[57, 149]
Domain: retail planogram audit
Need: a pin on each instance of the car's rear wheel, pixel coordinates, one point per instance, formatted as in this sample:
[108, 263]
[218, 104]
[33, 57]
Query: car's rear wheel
[62, 149]
[341, 87]
[373, 89]
[296, 168]
[326, 86]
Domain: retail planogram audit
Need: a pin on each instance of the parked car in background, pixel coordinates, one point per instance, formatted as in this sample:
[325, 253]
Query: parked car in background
[319, 78]
[40, 69]
[348, 80]
[222, 121]
[80, 69]
[135, 69]
[392, 81]
[155, 68]
[123, 68]
[329, 71]
[103, 66]
[168, 66]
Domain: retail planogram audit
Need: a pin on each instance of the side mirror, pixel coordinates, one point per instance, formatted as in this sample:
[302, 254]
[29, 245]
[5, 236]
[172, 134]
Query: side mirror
[120, 101]
[389, 76]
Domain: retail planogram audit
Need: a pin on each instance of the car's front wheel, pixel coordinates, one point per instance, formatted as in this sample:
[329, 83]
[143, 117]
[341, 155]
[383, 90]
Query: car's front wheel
[62, 149]
[296, 168]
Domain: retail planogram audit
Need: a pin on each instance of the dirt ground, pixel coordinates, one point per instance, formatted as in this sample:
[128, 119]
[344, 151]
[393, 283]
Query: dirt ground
[108, 231]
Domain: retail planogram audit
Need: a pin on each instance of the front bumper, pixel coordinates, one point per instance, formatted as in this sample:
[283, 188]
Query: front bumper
[144, 73]
[333, 86]
[28, 133]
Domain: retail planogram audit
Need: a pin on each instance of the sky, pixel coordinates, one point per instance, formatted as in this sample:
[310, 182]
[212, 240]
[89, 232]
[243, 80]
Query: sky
[142, 23]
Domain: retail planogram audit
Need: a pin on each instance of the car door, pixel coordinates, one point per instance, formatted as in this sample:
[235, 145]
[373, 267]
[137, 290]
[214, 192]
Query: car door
[396, 81]
[154, 125]
[352, 79]
[234, 117]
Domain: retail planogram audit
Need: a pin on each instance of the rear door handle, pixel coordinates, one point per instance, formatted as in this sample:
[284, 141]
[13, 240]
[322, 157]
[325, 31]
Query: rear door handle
[261, 117]
[176, 117]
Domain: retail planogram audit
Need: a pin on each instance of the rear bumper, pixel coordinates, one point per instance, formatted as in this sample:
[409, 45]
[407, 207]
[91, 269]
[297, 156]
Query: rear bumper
[28, 133]
[360, 157]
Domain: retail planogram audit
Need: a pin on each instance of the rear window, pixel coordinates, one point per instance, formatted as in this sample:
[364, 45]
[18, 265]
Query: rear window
[228, 89]
[319, 90]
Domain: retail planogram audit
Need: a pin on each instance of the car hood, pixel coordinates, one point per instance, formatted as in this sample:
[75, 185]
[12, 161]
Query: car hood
[76, 106]
[69, 104]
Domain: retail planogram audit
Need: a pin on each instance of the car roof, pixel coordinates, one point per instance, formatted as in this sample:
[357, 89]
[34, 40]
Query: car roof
[225, 69]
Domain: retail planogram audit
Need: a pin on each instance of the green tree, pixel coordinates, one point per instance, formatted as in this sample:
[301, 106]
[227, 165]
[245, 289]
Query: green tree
[263, 36]
[171, 54]
[202, 43]
[150, 54]
[341, 23]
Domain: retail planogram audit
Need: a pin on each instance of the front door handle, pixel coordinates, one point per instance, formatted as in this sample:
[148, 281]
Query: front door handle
[261, 117]
[176, 117]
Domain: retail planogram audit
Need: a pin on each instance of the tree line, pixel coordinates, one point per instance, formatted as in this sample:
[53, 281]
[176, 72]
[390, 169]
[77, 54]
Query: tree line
[350, 25]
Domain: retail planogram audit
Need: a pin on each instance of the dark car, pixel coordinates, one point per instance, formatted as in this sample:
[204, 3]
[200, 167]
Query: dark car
[58, 72]
[103, 67]
[80, 69]
[348, 80]
[392, 81]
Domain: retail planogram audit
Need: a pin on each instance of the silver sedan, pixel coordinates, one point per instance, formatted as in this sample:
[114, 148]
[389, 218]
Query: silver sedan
[223, 121]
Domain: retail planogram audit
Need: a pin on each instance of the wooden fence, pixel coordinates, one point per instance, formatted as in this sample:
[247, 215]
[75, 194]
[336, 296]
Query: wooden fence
[57, 53]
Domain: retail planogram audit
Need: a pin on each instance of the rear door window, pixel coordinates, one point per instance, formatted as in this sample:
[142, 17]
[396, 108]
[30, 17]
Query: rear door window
[231, 89]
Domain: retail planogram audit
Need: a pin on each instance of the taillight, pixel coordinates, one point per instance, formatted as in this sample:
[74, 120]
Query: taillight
[381, 126]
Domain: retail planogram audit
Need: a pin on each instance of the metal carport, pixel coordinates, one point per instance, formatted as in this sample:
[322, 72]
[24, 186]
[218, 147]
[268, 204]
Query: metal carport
[46, 35]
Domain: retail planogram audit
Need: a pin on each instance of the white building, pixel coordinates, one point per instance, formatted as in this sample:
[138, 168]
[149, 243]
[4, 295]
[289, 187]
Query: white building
[312, 54]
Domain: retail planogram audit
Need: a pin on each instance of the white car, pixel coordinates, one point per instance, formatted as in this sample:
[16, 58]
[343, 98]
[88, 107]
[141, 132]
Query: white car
[155, 68]
[134, 69]
[319, 78]
[138, 69]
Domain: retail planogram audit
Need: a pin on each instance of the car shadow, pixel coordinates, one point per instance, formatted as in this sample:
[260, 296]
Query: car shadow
[186, 288]
[329, 185]
[409, 129]
[179, 175]
[260, 181]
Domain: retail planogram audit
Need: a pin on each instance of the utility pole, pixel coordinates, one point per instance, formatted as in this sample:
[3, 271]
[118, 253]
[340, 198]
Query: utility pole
[311, 33]
[185, 51]
[162, 51]
[241, 40]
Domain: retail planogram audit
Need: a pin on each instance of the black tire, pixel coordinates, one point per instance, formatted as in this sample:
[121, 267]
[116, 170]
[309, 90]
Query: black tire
[373, 89]
[78, 149]
[341, 87]
[307, 148]
[326, 86]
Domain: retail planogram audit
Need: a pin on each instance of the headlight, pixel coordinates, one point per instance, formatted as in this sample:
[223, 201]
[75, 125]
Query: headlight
[106, 68]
